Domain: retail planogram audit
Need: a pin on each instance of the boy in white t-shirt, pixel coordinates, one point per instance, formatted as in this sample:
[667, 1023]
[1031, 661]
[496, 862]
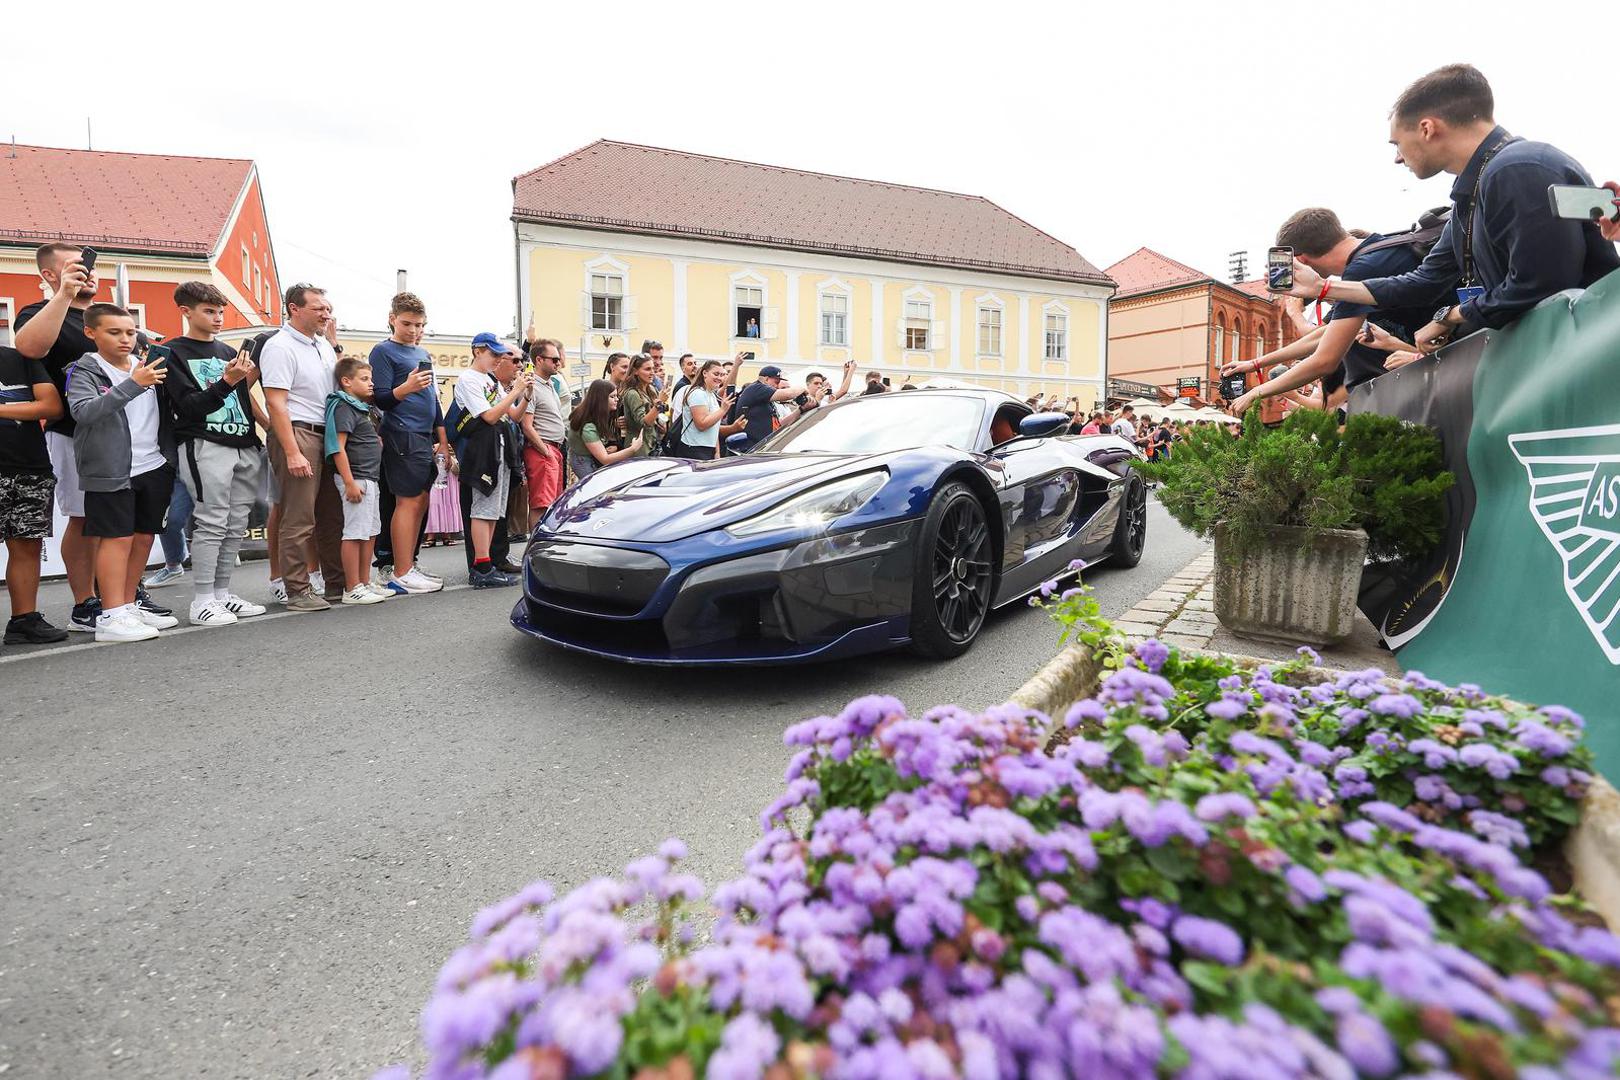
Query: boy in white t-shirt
[483, 462]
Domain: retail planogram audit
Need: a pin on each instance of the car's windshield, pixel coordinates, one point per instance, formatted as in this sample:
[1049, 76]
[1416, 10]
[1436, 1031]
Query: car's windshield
[879, 424]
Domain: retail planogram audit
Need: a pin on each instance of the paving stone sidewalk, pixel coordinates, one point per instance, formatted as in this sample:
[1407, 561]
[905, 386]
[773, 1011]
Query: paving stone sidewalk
[1181, 612]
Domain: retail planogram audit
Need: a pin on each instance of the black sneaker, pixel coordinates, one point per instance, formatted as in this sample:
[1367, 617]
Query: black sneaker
[83, 619]
[32, 629]
[490, 579]
[144, 601]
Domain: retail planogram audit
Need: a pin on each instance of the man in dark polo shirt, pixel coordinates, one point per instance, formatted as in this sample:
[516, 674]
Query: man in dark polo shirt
[758, 401]
[1339, 358]
[52, 331]
[1503, 240]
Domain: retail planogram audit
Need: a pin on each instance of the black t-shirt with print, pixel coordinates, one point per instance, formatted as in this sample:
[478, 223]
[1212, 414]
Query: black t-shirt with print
[69, 346]
[198, 365]
[22, 442]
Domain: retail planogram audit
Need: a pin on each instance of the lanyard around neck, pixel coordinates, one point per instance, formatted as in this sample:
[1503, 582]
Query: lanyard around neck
[1473, 210]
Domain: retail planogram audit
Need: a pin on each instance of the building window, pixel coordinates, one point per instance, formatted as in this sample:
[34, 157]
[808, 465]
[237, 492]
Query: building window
[989, 331]
[1057, 337]
[5, 321]
[748, 310]
[607, 302]
[834, 319]
[247, 269]
[918, 315]
[138, 313]
[258, 286]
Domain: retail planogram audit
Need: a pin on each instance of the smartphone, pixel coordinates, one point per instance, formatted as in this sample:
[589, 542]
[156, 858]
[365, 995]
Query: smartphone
[748, 356]
[1280, 269]
[425, 365]
[88, 257]
[1583, 203]
[156, 354]
[886, 380]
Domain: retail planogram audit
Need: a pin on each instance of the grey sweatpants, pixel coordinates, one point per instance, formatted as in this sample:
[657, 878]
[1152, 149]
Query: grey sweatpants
[224, 483]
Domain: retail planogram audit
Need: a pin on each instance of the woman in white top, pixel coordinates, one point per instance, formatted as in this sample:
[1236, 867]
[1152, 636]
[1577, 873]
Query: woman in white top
[702, 407]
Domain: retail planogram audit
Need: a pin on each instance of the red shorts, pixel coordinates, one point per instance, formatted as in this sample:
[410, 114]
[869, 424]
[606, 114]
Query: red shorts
[545, 473]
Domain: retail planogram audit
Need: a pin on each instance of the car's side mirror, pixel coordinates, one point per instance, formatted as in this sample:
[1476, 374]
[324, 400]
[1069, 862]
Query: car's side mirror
[1040, 425]
[737, 443]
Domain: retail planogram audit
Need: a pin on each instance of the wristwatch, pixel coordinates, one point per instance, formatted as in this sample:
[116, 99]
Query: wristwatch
[1443, 315]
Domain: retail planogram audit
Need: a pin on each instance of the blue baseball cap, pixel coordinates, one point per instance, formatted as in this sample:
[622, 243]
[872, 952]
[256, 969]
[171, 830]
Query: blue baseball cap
[770, 371]
[489, 341]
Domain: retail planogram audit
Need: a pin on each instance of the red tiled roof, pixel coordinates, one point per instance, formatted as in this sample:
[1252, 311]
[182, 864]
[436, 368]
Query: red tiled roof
[1256, 288]
[127, 202]
[644, 189]
[1144, 270]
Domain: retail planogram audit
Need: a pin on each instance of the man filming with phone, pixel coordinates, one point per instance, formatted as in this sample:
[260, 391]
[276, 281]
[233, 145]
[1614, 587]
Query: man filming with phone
[1333, 353]
[1503, 241]
[412, 427]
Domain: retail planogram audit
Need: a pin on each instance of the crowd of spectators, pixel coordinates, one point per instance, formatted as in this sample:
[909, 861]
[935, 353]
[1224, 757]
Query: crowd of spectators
[1500, 252]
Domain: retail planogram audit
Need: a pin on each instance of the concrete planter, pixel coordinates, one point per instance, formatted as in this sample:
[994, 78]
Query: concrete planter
[1296, 586]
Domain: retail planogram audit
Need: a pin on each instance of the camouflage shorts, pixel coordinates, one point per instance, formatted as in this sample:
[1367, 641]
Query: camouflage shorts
[25, 506]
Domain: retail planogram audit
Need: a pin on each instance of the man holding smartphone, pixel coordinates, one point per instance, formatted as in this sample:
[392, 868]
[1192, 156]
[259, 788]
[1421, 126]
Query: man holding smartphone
[1503, 240]
[413, 421]
[52, 331]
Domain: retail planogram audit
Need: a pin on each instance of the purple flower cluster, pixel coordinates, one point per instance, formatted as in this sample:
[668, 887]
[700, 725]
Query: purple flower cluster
[940, 896]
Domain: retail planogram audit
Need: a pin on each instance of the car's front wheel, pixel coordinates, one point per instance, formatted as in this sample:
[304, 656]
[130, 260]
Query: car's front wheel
[1130, 535]
[952, 575]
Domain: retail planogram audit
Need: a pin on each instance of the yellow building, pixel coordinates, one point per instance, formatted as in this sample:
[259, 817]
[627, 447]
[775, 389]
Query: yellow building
[618, 243]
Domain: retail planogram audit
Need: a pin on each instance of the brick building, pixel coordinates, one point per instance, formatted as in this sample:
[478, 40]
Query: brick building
[167, 219]
[1169, 321]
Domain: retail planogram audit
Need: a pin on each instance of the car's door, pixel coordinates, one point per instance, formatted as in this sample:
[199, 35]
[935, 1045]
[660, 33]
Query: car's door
[1040, 487]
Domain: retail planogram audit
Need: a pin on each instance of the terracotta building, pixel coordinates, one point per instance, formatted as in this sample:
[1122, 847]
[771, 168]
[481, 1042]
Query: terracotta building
[1169, 321]
[166, 219]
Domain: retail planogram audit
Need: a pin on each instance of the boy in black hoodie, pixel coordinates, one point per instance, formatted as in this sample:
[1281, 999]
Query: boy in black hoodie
[220, 455]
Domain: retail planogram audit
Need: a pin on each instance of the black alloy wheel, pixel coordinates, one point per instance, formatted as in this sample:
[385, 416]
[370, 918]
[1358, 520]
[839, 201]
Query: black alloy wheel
[954, 574]
[1130, 535]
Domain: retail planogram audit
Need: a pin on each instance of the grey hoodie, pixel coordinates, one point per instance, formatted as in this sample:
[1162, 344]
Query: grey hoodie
[101, 434]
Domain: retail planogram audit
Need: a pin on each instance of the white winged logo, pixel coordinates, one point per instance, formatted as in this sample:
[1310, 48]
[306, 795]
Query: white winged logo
[1575, 499]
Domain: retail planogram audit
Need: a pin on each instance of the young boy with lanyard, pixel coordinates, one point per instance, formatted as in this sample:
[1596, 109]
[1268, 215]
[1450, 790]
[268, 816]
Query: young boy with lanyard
[220, 457]
[355, 448]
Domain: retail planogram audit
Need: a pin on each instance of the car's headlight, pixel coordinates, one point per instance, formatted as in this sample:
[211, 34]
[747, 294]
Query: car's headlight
[817, 508]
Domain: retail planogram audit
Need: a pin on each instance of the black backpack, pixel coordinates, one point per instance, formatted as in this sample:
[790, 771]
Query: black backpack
[1421, 237]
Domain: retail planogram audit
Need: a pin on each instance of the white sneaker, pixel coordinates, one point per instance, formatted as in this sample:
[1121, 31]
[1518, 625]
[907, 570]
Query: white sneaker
[384, 572]
[382, 593]
[278, 591]
[211, 613]
[417, 582]
[317, 583]
[121, 627]
[428, 574]
[361, 594]
[156, 622]
[242, 609]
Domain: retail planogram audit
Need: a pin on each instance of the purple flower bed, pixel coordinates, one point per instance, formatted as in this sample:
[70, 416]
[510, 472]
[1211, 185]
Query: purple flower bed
[1214, 873]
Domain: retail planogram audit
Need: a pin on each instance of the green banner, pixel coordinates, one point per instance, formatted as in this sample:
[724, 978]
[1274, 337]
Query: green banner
[1526, 600]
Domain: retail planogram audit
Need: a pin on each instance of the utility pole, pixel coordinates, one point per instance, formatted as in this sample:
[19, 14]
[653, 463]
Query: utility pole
[88, 145]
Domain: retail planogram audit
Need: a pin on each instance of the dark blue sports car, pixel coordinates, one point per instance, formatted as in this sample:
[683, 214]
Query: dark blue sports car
[895, 519]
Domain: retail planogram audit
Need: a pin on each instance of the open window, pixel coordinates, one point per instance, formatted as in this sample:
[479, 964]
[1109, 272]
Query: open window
[748, 311]
[1004, 425]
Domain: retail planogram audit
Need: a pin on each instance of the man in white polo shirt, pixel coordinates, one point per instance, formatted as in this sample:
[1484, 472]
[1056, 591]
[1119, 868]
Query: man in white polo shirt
[295, 370]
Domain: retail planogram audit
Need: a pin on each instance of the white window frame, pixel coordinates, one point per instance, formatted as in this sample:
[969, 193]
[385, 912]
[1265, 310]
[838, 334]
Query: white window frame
[605, 265]
[8, 320]
[258, 286]
[984, 305]
[751, 279]
[823, 337]
[612, 310]
[138, 313]
[1059, 354]
[247, 268]
[917, 310]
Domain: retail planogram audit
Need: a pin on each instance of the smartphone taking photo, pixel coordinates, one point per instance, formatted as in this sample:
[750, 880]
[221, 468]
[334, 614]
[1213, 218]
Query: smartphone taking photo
[1280, 269]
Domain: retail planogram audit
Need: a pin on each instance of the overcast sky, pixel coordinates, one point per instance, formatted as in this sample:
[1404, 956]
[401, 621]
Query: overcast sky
[388, 136]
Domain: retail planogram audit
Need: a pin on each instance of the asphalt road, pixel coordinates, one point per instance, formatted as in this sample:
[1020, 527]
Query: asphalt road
[245, 852]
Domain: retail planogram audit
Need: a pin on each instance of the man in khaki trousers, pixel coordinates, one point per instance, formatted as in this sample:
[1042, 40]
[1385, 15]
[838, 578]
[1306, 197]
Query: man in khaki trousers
[295, 370]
